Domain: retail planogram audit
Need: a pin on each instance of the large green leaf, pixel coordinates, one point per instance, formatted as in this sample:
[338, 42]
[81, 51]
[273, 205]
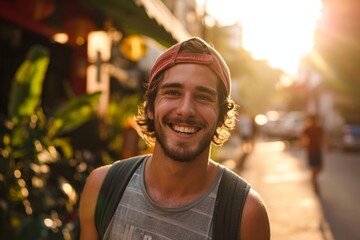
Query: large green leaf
[76, 112]
[27, 86]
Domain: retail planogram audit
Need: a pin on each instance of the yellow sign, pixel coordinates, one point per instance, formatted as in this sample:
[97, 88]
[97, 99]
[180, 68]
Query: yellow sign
[133, 47]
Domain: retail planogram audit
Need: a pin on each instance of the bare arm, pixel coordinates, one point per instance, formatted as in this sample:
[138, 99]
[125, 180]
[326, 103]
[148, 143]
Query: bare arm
[88, 203]
[255, 221]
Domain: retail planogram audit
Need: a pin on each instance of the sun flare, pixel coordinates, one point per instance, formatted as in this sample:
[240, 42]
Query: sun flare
[280, 31]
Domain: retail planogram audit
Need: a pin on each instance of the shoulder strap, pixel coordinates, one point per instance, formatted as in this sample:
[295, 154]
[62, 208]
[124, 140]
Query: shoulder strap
[229, 205]
[112, 190]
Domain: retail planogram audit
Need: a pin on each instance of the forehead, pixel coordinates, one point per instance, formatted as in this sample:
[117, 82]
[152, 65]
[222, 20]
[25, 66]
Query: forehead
[190, 74]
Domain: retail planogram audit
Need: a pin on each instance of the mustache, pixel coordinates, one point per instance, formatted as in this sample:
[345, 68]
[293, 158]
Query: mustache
[187, 121]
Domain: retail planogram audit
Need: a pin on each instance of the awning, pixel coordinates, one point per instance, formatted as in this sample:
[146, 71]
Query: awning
[147, 17]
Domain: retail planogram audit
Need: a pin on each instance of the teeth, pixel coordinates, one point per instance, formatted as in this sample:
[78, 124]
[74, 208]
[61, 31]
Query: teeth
[182, 129]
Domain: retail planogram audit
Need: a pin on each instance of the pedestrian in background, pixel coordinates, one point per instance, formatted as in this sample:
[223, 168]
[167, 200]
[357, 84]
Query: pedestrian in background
[177, 192]
[245, 128]
[313, 141]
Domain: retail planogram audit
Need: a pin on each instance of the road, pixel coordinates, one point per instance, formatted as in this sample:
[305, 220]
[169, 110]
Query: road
[280, 174]
[340, 193]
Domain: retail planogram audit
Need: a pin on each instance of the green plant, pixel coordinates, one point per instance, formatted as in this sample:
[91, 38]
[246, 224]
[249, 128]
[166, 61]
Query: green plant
[40, 178]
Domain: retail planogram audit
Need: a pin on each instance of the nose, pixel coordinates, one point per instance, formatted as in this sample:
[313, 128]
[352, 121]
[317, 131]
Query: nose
[186, 107]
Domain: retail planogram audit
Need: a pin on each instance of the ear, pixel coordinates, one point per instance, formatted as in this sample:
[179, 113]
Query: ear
[150, 114]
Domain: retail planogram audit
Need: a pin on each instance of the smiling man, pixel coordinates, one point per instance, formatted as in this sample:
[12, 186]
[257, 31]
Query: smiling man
[177, 192]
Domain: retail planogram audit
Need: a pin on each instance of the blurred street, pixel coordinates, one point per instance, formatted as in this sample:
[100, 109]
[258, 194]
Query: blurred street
[279, 173]
[340, 193]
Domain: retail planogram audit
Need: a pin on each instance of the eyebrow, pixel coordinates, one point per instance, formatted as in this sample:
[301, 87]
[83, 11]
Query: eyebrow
[171, 85]
[199, 88]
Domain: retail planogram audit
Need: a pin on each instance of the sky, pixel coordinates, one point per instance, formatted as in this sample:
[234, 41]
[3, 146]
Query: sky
[280, 31]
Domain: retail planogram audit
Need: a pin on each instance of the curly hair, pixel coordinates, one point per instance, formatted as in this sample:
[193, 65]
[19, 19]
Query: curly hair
[226, 105]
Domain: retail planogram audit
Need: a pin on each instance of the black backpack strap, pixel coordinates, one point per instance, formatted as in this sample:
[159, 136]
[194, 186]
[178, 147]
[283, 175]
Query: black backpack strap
[112, 190]
[229, 205]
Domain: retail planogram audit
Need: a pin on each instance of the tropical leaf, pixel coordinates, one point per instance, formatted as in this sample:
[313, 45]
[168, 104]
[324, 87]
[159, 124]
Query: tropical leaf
[27, 86]
[75, 113]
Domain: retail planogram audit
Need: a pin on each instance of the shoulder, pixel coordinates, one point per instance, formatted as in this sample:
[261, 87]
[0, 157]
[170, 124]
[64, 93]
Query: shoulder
[88, 201]
[96, 178]
[99, 173]
[255, 221]
[94, 182]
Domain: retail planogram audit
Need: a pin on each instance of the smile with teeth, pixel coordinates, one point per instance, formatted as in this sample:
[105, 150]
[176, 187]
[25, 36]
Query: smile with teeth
[182, 129]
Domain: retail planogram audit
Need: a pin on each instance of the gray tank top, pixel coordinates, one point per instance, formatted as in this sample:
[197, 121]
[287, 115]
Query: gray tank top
[137, 217]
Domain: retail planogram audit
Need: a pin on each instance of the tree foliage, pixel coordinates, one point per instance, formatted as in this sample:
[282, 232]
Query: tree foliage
[40, 176]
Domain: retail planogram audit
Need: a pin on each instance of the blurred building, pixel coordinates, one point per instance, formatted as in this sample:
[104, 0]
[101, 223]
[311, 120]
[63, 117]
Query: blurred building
[63, 26]
[329, 78]
[189, 13]
[338, 53]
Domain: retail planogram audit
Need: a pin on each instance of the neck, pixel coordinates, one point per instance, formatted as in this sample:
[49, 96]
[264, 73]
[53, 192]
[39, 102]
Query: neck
[170, 182]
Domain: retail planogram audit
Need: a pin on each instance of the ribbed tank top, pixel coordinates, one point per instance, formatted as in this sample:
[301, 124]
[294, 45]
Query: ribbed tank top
[137, 217]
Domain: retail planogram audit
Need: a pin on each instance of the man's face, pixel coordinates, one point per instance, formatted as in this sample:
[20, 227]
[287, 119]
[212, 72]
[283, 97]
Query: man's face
[186, 111]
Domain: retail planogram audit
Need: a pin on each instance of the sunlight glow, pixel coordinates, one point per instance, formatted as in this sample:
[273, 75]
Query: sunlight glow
[286, 177]
[261, 119]
[280, 31]
[276, 146]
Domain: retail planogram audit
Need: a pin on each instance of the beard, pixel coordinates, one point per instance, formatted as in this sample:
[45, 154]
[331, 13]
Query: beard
[182, 151]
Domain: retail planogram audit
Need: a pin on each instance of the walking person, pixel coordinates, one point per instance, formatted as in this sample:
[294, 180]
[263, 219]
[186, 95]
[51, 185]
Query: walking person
[313, 141]
[177, 192]
[246, 131]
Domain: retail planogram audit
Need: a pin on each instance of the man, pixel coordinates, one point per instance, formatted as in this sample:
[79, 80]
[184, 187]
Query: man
[313, 141]
[172, 194]
[246, 130]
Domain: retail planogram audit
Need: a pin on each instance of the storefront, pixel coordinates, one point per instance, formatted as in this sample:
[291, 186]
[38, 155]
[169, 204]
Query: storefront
[63, 27]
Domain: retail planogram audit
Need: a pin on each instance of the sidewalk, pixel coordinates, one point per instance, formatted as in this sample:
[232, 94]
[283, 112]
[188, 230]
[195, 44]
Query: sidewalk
[283, 180]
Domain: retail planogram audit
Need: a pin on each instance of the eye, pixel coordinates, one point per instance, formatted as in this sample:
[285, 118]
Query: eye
[204, 98]
[172, 93]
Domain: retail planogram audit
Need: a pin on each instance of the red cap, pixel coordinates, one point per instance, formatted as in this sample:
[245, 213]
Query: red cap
[214, 61]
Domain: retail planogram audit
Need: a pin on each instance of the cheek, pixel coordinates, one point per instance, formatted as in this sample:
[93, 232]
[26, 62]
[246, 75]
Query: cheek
[216, 112]
[217, 118]
[156, 109]
[210, 115]
[163, 106]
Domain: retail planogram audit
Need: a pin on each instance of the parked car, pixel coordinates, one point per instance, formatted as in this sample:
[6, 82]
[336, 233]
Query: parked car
[345, 136]
[351, 137]
[288, 126]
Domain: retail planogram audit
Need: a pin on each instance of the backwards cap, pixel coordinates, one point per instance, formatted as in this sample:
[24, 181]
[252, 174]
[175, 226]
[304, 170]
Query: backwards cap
[173, 56]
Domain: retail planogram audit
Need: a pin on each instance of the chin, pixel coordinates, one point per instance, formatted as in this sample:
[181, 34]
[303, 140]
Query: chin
[183, 153]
